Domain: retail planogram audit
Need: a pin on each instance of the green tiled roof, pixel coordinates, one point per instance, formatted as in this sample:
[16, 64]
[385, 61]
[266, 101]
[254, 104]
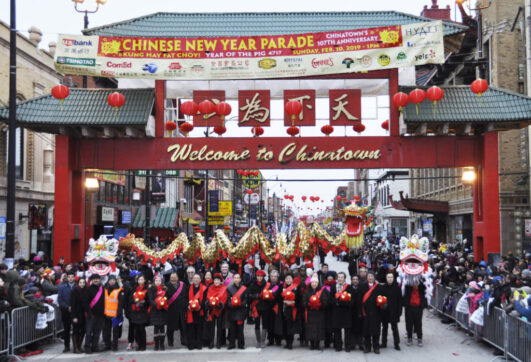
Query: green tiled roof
[164, 219]
[461, 105]
[84, 107]
[251, 24]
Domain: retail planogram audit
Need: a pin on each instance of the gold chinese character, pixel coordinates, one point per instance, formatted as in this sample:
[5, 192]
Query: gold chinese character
[340, 108]
[254, 111]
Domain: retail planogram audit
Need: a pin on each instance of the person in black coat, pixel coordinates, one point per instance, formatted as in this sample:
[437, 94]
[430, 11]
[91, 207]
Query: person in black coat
[341, 311]
[78, 300]
[356, 330]
[195, 312]
[393, 310]
[315, 313]
[237, 306]
[138, 310]
[258, 312]
[291, 299]
[274, 308]
[414, 303]
[368, 294]
[178, 304]
[158, 315]
[95, 300]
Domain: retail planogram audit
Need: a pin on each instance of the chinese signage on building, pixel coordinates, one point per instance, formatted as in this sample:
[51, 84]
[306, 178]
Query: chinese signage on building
[252, 57]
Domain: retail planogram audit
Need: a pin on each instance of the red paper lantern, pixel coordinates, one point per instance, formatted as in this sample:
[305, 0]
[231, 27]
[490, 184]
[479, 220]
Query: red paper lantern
[303, 198]
[293, 108]
[479, 86]
[359, 128]
[327, 129]
[401, 100]
[245, 173]
[417, 96]
[206, 107]
[220, 130]
[317, 198]
[249, 191]
[286, 197]
[186, 128]
[189, 108]
[60, 92]
[223, 109]
[291, 197]
[116, 100]
[257, 131]
[385, 125]
[338, 198]
[293, 131]
[170, 125]
[435, 94]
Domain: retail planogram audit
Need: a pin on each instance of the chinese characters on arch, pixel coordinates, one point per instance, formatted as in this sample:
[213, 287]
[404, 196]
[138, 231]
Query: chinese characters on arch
[254, 107]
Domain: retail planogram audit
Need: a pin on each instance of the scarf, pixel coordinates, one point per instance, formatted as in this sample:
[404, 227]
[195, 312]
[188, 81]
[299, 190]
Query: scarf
[220, 292]
[195, 297]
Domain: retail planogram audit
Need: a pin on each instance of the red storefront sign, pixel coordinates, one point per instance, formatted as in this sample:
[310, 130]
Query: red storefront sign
[254, 108]
[307, 98]
[345, 107]
[212, 119]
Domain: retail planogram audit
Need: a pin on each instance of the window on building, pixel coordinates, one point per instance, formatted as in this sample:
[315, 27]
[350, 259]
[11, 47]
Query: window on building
[188, 195]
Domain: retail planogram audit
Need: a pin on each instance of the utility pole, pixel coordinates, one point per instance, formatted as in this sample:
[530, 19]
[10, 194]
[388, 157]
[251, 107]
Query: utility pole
[147, 201]
[207, 206]
[11, 146]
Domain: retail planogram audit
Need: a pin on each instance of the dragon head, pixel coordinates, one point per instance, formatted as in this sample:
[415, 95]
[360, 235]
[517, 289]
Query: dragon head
[414, 254]
[101, 255]
[356, 217]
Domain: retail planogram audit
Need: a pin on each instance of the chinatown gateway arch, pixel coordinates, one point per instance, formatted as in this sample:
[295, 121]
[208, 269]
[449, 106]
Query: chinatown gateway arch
[320, 60]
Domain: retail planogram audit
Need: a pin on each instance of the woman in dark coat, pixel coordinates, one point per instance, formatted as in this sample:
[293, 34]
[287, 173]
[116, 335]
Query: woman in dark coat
[369, 293]
[216, 300]
[195, 312]
[393, 310]
[138, 309]
[79, 310]
[341, 305]
[274, 308]
[237, 308]
[158, 314]
[177, 306]
[356, 330]
[260, 315]
[315, 301]
[291, 299]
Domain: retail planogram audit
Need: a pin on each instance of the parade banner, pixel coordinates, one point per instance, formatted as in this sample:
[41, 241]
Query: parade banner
[252, 57]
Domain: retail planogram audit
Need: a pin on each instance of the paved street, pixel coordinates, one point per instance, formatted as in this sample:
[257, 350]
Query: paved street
[441, 343]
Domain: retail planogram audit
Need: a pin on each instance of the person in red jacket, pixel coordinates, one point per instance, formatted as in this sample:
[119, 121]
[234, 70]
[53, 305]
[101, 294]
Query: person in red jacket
[216, 300]
[196, 311]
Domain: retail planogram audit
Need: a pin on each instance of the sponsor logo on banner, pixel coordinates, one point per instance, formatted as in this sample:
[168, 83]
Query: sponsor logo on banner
[119, 65]
[74, 42]
[108, 73]
[401, 56]
[175, 66]
[151, 67]
[366, 61]
[86, 62]
[267, 63]
[431, 55]
[317, 63]
[197, 68]
[348, 62]
[384, 60]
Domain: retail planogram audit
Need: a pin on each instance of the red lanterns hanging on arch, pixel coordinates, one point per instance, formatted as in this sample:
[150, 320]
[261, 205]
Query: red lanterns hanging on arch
[417, 96]
[327, 129]
[116, 100]
[257, 131]
[186, 128]
[292, 131]
[400, 100]
[479, 86]
[435, 94]
[189, 108]
[60, 92]
[385, 125]
[359, 128]
[206, 107]
[220, 130]
[171, 126]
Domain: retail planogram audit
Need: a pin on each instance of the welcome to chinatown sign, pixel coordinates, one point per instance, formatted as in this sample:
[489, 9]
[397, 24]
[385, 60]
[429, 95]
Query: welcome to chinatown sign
[252, 57]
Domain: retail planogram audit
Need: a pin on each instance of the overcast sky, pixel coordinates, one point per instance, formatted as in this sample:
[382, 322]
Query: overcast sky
[58, 16]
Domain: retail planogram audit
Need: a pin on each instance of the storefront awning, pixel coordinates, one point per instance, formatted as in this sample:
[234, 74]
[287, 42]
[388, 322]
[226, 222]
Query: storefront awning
[165, 218]
[420, 205]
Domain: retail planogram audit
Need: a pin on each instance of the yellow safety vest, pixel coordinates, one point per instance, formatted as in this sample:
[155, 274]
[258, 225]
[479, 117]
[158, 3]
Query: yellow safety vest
[111, 302]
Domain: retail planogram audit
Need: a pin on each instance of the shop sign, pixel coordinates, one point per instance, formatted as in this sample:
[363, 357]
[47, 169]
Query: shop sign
[213, 201]
[125, 217]
[252, 198]
[224, 209]
[252, 57]
[113, 177]
[105, 214]
[216, 220]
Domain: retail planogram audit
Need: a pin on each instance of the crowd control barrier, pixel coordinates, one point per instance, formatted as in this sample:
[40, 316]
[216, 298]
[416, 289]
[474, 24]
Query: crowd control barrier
[511, 335]
[5, 333]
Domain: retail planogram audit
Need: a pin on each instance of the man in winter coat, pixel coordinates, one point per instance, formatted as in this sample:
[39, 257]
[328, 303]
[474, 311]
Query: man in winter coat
[393, 310]
[114, 304]
[63, 299]
[342, 302]
[177, 306]
[237, 310]
[368, 295]
[95, 316]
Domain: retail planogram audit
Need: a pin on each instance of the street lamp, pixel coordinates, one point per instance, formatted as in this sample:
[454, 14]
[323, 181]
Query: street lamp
[469, 175]
[86, 21]
[91, 183]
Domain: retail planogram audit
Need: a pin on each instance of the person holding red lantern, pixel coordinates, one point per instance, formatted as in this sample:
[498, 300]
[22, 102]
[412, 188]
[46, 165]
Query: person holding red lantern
[315, 300]
[216, 300]
[291, 298]
[391, 314]
[342, 302]
[371, 313]
[237, 308]
[139, 311]
[261, 297]
[195, 313]
[158, 311]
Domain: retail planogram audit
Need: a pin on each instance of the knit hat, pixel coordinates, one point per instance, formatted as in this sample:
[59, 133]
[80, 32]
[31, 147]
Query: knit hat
[314, 279]
[217, 276]
[260, 273]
